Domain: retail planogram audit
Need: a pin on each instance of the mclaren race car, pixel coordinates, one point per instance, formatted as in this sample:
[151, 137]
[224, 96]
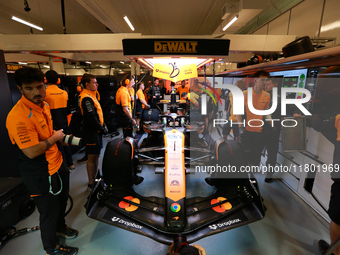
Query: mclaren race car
[174, 148]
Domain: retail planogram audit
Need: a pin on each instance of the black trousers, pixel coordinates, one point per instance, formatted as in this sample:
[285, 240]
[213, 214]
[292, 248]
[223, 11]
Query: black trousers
[126, 124]
[52, 209]
[272, 146]
[253, 143]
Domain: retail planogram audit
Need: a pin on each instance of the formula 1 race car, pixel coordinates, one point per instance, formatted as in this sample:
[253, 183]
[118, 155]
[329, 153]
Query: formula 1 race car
[174, 148]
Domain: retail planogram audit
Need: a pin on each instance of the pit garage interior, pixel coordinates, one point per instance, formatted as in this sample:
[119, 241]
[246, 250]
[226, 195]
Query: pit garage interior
[89, 39]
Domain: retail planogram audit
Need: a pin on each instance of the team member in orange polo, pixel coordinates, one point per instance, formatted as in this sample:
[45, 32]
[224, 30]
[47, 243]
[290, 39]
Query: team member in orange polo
[140, 104]
[93, 124]
[182, 89]
[42, 169]
[123, 101]
[251, 136]
[57, 100]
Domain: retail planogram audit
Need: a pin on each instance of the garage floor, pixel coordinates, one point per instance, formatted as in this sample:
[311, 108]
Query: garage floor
[289, 227]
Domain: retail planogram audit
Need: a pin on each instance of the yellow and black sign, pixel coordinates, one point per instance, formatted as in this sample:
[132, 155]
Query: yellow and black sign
[176, 47]
[13, 67]
[173, 73]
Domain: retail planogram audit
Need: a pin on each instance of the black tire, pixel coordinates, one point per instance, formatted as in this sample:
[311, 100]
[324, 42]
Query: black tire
[118, 163]
[27, 208]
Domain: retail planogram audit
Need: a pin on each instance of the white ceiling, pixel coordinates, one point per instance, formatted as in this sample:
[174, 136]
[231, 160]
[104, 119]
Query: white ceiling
[149, 17]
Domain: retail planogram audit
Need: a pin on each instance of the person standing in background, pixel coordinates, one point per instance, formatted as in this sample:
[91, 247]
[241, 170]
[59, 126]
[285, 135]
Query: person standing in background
[123, 101]
[251, 136]
[230, 115]
[272, 135]
[57, 100]
[140, 105]
[93, 125]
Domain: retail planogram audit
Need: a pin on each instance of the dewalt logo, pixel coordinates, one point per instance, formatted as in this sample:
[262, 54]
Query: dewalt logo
[175, 46]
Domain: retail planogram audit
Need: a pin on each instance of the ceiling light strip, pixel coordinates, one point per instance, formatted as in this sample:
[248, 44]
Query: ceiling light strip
[205, 62]
[146, 63]
[230, 23]
[129, 23]
[26, 23]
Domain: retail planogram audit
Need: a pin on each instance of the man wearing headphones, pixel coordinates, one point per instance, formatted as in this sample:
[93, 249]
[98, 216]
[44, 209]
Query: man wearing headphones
[42, 170]
[123, 101]
[57, 100]
[93, 124]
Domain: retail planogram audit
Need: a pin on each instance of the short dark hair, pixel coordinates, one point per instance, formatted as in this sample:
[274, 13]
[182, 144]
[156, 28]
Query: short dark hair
[28, 75]
[261, 73]
[141, 83]
[52, 77]
[182, 81]
[184, 94]
[87, 79]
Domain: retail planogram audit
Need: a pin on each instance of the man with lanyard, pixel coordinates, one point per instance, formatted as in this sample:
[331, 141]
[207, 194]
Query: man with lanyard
[251, 136]
[30, 128]
[93, 125]
[123, 101]
[57, 100]
[155, 93]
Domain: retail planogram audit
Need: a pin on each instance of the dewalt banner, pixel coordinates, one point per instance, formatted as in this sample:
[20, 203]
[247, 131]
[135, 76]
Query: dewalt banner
[173, 73]
[176, 47]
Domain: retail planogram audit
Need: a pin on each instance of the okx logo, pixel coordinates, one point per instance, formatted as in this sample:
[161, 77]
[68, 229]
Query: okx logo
[209, 90]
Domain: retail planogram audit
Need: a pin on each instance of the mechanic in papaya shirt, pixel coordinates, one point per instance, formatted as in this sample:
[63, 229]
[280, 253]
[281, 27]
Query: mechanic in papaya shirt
[123, 102]
[42, 170]
[93, 124]
[57, 100]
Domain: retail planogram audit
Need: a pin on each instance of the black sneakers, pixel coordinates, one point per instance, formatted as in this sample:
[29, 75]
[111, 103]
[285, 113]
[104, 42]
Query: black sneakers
[64, 250]
[68, 232]
[323, 246]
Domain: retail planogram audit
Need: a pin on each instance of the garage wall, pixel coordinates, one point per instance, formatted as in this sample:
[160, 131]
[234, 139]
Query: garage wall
[315, 18]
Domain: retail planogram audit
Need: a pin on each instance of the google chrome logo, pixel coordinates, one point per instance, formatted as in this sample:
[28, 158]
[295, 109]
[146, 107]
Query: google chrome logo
[175, 207]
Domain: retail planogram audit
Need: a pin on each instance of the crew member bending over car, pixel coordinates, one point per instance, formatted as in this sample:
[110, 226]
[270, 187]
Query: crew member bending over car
[42, 169]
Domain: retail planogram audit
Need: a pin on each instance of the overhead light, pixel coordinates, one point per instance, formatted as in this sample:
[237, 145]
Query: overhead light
[22, 63]
[122, 62]
[26, 23]
[129, 65]
[120, 70]
[88, 62]
[230, 22]
[46, 66]
[129, 23]
[102, 66]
